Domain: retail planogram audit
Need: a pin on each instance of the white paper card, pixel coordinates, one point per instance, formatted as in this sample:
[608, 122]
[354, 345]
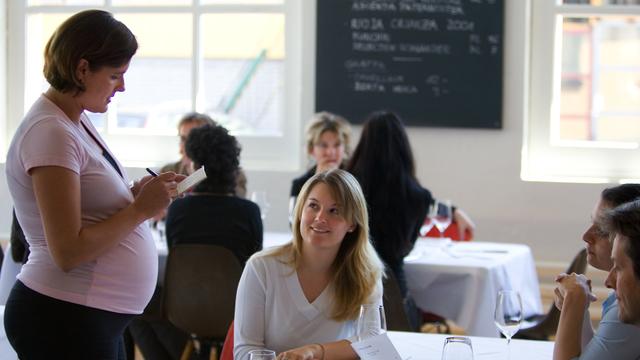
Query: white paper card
[377, 347]
[192, 180]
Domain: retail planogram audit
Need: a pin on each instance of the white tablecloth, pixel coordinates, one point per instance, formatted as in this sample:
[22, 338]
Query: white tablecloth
[460, 280]
[417, 346]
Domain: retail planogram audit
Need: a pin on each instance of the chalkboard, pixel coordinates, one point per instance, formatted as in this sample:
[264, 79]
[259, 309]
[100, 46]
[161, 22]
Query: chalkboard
[434, 62]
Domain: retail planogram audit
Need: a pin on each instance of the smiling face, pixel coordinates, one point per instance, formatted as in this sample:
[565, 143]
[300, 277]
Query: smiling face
[322, 225]
[100, 85]
[597, 240]
[328, 151]
[623, 280]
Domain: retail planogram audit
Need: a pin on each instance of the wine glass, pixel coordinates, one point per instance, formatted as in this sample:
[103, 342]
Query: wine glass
[508, 314]
[426, 226]
[371, 321]
[440, 214]
[457, 348]
[262, 355]
[260, 198]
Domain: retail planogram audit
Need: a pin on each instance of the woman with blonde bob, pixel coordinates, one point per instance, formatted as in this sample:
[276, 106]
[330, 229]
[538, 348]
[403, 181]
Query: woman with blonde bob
[302, 299]
[327, 141]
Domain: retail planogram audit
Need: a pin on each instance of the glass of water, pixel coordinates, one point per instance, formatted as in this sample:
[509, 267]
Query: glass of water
[457, 348]
[262, 355]
[508, 314]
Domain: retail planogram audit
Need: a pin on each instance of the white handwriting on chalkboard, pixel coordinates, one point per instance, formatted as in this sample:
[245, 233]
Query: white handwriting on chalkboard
[414, 24]
[438, 84]
[370, 36]
[367, 24]
[404, 89]
[364, 64]
[369, 5]
[452, 7]
[460, 25]
[368, 87]
[373, 47]
[434, 49]
[385, 79]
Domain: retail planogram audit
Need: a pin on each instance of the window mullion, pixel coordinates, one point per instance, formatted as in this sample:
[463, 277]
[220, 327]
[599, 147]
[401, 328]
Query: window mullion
[197, 62]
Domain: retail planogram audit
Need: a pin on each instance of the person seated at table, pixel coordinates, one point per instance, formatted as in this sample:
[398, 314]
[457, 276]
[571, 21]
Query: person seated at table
[575, 336]
[383, 164]
[302, 299]
[183, 166]
[328, 137]
[210, 214]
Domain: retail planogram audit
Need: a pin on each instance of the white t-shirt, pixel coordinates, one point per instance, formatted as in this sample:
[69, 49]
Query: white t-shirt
[273, 313]
[122, 279]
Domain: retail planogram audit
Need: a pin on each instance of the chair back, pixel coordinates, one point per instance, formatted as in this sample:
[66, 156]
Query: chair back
[393, 303]
[547, 325]
[200, 289]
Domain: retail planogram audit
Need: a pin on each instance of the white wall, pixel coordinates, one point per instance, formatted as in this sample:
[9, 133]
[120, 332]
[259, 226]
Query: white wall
[478, 169]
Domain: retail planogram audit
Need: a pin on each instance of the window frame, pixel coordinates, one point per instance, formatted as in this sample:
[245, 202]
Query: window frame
[545, 157]
[259, 152]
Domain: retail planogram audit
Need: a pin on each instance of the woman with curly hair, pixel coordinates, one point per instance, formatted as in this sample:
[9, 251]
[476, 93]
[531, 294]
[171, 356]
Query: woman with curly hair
[210, 214]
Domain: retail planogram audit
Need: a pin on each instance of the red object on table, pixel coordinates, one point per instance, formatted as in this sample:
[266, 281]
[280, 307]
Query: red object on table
[451, 232]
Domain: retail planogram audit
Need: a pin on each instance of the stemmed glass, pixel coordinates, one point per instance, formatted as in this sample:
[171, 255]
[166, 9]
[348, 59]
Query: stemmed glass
[426, 226]
[262, 355]
[371, 321]
[440, 214]
[457, 348]
[508, 314]
[260, 198]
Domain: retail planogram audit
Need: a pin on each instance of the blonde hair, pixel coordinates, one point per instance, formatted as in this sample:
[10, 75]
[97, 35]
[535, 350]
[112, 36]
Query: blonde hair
[357, 267]
[326, 121]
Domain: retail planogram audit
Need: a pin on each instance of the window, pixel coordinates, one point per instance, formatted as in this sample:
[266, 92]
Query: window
[584, 119]
[230, 59]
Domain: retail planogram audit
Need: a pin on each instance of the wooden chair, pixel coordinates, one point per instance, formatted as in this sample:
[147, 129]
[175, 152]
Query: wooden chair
[394, 306]
[199, 295]
[543, 326]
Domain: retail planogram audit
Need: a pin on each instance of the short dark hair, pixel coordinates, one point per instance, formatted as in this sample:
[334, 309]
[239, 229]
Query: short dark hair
[625, 220]
[618, 195]
[93, 35]
[214, 148]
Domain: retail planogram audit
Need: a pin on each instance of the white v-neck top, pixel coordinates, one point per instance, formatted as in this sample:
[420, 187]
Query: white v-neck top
[273, 313]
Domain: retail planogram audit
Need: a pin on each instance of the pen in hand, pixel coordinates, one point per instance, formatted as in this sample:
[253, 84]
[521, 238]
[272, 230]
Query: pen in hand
[153, 173]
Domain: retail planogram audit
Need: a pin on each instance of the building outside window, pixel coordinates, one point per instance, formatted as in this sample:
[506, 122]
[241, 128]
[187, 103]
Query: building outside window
[584, 123]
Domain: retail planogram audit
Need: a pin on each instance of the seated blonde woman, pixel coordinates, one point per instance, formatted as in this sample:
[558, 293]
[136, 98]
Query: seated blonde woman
[302, 299]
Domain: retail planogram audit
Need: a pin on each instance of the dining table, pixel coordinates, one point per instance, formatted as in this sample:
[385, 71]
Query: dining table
[461, 280]
[420, 346]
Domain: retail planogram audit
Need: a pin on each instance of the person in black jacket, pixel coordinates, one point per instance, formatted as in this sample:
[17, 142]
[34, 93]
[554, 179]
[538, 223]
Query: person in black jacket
[383, 164]
[328, 136]
[210, 214]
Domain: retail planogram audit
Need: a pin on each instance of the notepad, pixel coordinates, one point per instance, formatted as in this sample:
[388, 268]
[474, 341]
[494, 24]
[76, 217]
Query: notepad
[192, 180]
[377, 347]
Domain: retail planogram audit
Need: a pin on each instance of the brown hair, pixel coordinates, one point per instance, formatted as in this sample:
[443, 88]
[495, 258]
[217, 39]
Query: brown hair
[196, 117]
[625, 220]
[357, 267]
[93, 35]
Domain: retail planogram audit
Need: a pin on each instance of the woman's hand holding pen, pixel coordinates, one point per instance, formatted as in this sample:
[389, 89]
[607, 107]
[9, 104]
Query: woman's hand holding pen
[154, 194]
